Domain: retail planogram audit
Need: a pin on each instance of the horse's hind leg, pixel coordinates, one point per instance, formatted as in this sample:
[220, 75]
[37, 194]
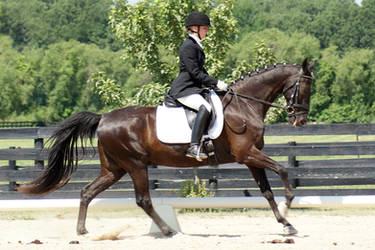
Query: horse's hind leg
[102, 182]
[143, 200]
[260, 177]
[88, 193]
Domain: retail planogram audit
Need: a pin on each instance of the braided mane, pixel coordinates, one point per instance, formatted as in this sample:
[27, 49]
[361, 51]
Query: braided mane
[258, 71]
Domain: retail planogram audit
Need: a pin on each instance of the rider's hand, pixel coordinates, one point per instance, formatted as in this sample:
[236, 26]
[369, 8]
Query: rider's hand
[222, 86]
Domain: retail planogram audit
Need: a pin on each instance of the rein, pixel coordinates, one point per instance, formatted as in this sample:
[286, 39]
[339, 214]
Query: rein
[232, 92]
[290, 108]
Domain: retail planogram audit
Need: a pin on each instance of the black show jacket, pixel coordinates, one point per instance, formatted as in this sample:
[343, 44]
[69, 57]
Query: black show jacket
[192, 74]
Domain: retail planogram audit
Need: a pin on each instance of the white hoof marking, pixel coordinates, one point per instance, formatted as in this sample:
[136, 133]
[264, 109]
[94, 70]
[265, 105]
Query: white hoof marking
[283, 209]
[290, 230]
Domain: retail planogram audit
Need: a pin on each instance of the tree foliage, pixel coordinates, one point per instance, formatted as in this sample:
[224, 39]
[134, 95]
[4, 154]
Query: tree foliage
[340, 22]
[39, 23]
[52, 85]
[346, 92]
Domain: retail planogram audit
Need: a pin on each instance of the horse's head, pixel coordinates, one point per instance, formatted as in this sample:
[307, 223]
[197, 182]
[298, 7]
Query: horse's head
[297, 93]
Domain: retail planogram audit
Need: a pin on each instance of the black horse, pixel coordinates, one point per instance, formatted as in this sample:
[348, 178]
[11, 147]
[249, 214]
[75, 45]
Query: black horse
[127, 141]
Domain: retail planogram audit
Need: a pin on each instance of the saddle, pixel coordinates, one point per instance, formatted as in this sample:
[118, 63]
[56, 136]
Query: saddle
[174, 121]
[190, 113]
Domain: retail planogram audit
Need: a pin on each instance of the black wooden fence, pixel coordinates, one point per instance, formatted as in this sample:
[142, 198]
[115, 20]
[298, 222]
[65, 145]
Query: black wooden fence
[339, 176]
[22, 124]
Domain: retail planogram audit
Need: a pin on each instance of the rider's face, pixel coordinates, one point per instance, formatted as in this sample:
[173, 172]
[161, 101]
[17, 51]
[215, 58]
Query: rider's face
[202, 31]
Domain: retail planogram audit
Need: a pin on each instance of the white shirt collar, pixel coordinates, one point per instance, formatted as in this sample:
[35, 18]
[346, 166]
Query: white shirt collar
[196, 39]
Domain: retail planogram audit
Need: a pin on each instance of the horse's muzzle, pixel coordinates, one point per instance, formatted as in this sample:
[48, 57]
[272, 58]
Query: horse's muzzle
[298, 120]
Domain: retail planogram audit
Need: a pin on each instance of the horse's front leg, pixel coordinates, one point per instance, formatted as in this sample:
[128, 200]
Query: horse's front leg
[262, 181]
[257, 161]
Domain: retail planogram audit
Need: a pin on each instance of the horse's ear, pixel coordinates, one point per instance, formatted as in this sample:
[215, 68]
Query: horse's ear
[304, 66]
[310, 68]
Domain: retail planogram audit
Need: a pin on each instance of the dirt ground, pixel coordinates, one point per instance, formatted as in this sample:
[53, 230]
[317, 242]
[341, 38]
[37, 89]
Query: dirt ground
[317, 230]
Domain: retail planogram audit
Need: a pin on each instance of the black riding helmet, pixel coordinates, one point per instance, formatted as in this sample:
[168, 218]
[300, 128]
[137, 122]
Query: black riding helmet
[199, 19]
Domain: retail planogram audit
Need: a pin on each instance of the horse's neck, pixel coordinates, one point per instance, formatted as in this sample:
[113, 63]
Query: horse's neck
[265, 86]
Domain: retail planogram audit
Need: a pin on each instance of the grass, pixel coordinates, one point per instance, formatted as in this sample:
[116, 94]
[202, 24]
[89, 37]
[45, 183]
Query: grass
[17, 143]
[317, 138]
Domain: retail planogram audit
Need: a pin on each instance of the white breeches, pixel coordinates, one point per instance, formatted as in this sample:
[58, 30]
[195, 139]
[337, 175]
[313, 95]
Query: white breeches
[194, 101]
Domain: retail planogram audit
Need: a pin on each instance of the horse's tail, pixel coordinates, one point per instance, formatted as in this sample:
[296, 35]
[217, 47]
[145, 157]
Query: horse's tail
[63, 154]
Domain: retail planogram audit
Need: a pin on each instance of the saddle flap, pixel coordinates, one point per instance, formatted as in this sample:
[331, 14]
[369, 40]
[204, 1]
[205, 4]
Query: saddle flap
[172, 125]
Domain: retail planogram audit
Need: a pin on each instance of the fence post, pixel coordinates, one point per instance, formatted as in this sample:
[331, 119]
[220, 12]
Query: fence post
[196, 176]
[292, 163]
[212, 182]
[38, 144]
[12, 166]
[154, 184]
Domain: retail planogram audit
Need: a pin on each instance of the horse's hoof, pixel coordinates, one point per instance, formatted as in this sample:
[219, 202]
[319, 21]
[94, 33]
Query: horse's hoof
[82, 231]
[283, 209]
[169, 233]
[290, 230]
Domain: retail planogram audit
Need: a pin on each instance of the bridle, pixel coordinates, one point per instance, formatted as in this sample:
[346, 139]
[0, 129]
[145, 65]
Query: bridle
[292, 104]
[290, 108]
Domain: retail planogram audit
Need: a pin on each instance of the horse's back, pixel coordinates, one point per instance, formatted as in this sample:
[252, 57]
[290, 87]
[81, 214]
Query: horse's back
[126, 128]
[126, 117]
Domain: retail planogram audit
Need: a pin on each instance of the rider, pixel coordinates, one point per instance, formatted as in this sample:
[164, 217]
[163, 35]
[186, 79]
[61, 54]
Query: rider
[188, 85]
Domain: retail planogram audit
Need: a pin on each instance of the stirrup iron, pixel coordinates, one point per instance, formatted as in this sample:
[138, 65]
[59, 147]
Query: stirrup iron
[194, 151]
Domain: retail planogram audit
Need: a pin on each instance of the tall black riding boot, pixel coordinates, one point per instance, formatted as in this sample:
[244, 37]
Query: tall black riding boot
[200, 125]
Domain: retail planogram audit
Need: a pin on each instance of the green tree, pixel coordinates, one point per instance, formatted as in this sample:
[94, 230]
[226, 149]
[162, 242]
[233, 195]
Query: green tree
[291, 48]
[342, 23]
[49, 85]
[39, 23]
[9, 94]
[321, 89]
[64, 72]
[263, 56]
[22, 20]
[85, 21]
[365, 25]
[345, 87]
[2, 21]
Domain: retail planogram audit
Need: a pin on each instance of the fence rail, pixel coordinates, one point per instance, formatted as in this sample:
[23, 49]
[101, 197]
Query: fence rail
[336, 176]
[22, 124]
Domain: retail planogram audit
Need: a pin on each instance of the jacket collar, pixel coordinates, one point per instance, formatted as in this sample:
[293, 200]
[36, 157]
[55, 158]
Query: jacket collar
[196, 41]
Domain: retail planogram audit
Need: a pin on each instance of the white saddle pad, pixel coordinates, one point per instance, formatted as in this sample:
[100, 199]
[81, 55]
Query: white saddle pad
[172, 125]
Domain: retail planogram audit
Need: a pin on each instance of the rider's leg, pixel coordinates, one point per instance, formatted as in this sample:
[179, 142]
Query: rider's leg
[194, 101]
[200, 124]
[197, 133]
